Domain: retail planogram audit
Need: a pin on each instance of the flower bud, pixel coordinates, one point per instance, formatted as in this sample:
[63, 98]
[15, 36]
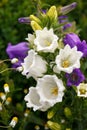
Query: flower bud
[14, 60]
[34, 18]
[46, 127]
[53, 125]
[24, 20]
[37, 127]
[0, 106]
[13, 122]
[67, 112]
[35, 26]
[26, 112]
[19, 69]
[52, 12]
[66, 9]
[8, 100]
[2, 96]
[50, 114]
[6, 88]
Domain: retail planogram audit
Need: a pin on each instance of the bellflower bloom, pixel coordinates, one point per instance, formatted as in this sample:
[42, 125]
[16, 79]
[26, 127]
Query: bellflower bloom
[83, 48]
[33, 100]
[75, 78]
[34, 66]
[82, 90]
[46, 40]
[18, 51]
[68, 59]
[73, 40]
[50, 89]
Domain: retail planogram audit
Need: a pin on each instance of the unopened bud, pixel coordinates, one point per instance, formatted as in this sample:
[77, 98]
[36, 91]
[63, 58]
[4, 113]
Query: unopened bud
[34, 18]
[46, 127]
[53, 125]
[35, 26]
[50, 114]
[2, 96]
[0, 106]
[13, 122]
[8, 100]
[52, 12]
[37, 127]
[19, 69]
[6, 88]
[67, 112]
[26, 113]
[14, 60]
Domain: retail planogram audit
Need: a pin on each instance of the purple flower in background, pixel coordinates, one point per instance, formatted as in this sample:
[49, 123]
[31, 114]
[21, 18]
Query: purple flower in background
[83, 48]
[24, 20]
[68, 8]
[18, 51]
[73, 40]
[64, 19]
[75, 78]
[66, 26]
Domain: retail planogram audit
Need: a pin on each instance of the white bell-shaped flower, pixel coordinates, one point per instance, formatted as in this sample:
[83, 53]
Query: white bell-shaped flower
[46, 40]
[33, 100]
[34, 66]
[50, 89]
[68, 59]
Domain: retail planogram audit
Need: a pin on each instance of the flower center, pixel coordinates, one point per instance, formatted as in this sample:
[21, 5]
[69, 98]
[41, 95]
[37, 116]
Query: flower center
[54, 91]
[65, 63]
[47, 43]
[82, 90]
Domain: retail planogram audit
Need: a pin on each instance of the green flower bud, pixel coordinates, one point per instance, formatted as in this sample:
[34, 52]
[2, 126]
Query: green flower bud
[53, 125]
[67, 112]
[50, 114]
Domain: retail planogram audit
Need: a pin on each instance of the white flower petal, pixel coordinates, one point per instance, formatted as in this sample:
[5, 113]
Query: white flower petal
[46, 40]
[34, 65]
[50, 89]
[68, 59]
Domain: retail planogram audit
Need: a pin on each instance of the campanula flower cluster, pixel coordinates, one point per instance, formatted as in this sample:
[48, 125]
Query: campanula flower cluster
[53, 55]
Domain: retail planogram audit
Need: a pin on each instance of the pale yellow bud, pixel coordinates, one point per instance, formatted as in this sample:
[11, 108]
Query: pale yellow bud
[13, 122]
[14, 60]
[52, 12]
[37, 127]
[34, 18]
[8, 100]
[6, 88]
[0, 106]
[2, 96]
[35, 26]
[53, 125]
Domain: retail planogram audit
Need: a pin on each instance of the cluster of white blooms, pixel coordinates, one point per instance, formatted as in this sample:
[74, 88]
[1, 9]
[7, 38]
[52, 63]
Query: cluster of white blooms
[49, 89]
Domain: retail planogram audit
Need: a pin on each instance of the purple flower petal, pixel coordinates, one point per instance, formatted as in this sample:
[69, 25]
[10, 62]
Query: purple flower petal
[17, 51]
[71, 39]
[75, 78]
[83, 48]
[25, 20]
